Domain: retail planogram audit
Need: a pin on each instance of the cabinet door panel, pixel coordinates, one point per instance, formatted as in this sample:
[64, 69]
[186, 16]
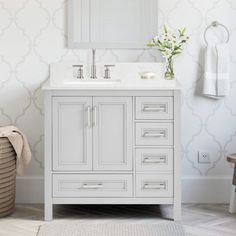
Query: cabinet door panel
[72, 136]
[112, 133]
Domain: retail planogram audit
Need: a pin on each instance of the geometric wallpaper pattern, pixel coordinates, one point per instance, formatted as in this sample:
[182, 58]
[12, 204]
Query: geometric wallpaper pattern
[33, 34]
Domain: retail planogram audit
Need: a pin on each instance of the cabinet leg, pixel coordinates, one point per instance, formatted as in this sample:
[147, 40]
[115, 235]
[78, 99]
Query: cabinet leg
[48, 212]
[232, 200]
[177, 212]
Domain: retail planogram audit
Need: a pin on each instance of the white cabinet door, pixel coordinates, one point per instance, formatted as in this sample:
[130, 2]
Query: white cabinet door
[72, 133]
[112, 133]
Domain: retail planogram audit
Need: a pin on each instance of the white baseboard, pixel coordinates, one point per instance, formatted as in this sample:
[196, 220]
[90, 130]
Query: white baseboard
[30, 189]
[206, 189]
[194, 189]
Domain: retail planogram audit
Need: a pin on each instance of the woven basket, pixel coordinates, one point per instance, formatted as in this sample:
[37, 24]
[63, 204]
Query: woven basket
[7, 177]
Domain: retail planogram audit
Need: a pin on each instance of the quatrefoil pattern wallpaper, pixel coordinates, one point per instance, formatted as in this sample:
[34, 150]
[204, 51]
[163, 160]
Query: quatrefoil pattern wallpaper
[33, 34]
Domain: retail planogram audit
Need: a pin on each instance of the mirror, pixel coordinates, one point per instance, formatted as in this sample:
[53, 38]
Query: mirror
[125, 24]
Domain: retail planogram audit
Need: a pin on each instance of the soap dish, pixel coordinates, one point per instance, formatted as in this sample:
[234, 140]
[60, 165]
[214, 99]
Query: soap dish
[148, 75]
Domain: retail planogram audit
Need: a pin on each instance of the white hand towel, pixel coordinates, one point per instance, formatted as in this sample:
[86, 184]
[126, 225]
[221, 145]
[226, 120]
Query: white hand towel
[216, 77]
[223, 82]
[209, 85]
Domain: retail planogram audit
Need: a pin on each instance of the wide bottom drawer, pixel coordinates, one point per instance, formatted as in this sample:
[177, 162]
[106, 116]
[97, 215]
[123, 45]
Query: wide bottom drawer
[92, 185]
[154, 185]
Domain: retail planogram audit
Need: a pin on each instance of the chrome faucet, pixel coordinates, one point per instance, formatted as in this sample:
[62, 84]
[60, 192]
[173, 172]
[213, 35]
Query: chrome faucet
[93, 66]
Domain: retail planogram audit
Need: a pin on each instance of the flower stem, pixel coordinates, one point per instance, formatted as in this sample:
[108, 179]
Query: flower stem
[169, 69]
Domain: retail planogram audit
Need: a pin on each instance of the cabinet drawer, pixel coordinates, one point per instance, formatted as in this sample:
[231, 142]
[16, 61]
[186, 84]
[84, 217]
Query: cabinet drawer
[92, 185]
[156, 185]
[150, 108]
[154, 134]
[154, 159]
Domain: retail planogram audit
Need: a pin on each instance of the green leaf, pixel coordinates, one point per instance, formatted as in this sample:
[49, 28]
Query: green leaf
[175, 53]
[178, 47]
[184, 31]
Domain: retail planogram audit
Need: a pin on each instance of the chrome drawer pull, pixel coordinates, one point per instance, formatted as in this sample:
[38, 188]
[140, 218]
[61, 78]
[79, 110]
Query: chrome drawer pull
[154, 160]
[159, 186]
[154, 135]
[95, 116]
[89, 116]
[92, 186]
[147, 108]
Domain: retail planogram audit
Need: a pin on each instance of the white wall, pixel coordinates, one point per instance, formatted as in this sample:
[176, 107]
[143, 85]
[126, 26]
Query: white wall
[33, 35]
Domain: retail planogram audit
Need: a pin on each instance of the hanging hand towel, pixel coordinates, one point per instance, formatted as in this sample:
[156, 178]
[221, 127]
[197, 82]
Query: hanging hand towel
[223, 81]
[216, 78]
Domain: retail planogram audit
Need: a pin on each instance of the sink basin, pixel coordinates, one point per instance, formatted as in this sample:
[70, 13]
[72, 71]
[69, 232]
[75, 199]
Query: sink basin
[91, 82]
[122, 75]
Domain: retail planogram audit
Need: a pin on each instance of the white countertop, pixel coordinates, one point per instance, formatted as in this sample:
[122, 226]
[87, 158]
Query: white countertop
[138, 84]
[125, 76]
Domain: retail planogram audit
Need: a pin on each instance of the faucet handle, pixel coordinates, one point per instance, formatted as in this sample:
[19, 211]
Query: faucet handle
[107, 71]
[78, 71]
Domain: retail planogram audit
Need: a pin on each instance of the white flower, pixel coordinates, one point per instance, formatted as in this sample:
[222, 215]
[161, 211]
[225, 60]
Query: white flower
[184, 37]
[155, 39]
[169, 43]
[167, 53]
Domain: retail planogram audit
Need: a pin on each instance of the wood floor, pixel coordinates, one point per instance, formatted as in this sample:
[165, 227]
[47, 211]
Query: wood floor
[198, 219]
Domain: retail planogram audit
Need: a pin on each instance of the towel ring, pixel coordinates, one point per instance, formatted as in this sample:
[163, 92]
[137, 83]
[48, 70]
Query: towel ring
[216, 24]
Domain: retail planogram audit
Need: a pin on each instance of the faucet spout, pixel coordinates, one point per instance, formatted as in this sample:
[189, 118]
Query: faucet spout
[93, 66]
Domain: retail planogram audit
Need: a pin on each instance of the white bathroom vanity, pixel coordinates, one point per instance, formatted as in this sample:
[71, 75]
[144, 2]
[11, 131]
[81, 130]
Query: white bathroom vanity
[112, 143]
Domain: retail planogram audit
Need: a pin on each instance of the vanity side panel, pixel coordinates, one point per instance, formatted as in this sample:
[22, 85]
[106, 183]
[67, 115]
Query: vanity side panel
[177, 157]
[48, 207]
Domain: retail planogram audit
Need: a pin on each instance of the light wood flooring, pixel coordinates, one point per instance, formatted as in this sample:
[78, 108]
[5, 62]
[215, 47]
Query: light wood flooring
[198, 219]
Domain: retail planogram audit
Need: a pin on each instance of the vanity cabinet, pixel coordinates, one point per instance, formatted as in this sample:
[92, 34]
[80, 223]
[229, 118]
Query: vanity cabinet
[112, 147]
[92, 133]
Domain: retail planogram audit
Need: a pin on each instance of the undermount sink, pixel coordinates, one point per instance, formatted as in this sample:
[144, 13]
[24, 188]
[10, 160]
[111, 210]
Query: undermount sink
[122, 75]
[92, 82]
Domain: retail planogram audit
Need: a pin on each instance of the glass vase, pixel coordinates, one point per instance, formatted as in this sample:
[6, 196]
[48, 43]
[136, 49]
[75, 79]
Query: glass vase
[169, 74]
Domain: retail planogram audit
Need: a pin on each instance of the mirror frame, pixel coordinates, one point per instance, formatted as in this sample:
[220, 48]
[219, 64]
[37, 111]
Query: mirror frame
[103, 45]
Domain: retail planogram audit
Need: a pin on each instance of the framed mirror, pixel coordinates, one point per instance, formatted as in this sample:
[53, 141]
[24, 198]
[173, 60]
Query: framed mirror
[101, 24]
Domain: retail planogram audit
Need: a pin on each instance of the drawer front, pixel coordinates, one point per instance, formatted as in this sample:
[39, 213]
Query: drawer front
[154, 134]
[154, 159]
[156, 185]
[92, 185]
[150, 108]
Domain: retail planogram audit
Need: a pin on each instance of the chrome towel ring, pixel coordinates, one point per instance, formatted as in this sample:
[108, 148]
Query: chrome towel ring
[216, 24]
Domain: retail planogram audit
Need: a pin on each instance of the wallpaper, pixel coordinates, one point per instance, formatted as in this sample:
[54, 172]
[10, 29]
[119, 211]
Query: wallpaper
[33, 34]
